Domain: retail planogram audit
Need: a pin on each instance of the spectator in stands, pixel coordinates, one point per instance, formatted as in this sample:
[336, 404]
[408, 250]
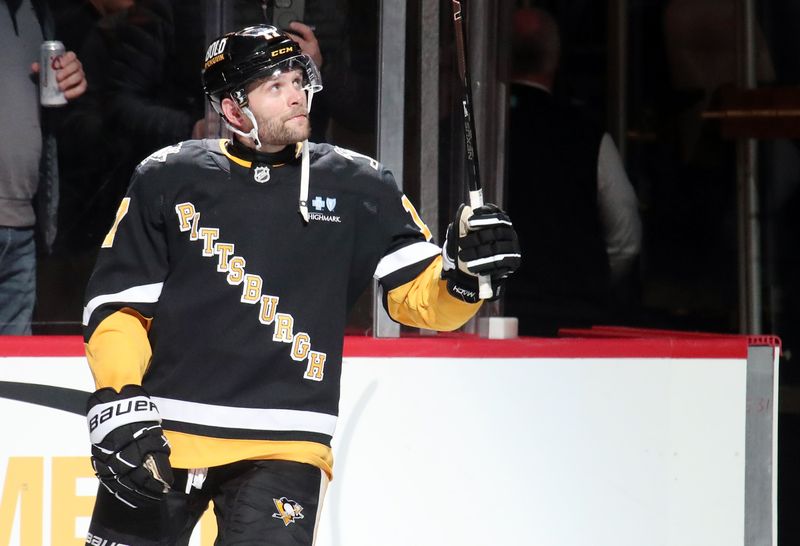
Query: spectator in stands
[158, 99]
[92, 172]
[76, 20]
[701, 46]
[28, 162]
[157, 96]
[576, 210]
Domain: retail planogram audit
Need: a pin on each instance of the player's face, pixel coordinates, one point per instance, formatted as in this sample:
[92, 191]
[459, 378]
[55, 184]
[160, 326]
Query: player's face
[279, 105]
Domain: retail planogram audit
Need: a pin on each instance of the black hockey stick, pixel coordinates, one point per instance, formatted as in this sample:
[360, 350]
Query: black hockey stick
[470, 145]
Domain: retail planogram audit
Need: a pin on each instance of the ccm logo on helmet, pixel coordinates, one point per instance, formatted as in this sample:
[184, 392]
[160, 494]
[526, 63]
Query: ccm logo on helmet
[214, 51]
[121, 408]
[281, 51]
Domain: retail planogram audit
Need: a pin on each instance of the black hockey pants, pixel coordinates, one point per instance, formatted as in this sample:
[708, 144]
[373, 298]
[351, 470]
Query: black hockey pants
[256, 503]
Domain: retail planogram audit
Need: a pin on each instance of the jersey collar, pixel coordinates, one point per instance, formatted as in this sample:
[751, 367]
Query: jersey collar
[244, 156]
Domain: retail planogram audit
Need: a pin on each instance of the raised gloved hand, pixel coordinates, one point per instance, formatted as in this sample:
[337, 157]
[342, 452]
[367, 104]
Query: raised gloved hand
[130, 454]
[479, 242]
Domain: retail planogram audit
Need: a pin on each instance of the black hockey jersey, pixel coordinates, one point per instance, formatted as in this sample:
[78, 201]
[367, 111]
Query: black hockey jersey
[212, 292]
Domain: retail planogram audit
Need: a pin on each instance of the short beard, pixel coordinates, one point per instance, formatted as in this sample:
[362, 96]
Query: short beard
[275, 132]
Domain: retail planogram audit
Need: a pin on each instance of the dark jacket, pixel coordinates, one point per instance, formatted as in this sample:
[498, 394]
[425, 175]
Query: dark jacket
[553, 153]
[47, 194]
[93, 156]
[154, 74]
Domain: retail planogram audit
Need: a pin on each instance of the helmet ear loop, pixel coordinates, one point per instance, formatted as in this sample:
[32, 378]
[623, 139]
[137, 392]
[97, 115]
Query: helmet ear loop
[239, 98]
[253, 134]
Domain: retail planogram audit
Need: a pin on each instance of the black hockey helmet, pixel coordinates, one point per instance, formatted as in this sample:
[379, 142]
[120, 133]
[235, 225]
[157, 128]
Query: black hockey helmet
[239, 57]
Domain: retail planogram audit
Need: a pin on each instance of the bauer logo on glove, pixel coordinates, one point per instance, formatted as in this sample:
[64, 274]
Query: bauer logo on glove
[140, 408]
[479, 242]
[130, 453]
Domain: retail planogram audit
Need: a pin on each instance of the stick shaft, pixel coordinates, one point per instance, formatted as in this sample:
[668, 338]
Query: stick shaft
[470, 144]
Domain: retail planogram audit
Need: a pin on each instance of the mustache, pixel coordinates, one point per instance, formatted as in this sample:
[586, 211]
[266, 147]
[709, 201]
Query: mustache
[296, 112]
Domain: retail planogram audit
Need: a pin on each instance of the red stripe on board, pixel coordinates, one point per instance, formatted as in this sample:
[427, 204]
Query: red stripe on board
[41, 346]
[627, 332]
[475, 347]
[466, 346]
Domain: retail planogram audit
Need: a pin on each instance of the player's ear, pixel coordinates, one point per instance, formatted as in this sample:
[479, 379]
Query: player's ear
[234, 114]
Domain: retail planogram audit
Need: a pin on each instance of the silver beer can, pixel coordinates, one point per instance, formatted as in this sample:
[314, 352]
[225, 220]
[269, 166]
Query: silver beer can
[49, 93]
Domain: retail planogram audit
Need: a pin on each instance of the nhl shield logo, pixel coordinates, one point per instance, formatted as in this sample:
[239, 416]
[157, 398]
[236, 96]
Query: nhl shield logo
[330, 202]
[261, 174]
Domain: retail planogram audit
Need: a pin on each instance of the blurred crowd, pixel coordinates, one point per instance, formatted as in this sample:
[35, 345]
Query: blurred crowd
[607, 238]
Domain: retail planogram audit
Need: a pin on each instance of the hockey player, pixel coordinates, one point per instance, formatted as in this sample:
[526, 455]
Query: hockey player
[215, 317]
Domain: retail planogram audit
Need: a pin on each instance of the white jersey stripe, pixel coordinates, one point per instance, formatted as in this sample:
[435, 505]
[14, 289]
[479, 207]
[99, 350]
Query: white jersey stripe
[147, 293]
[245, 418]
[408, 255]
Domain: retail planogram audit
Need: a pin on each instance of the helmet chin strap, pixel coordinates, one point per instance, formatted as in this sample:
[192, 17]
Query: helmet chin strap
[253, 133]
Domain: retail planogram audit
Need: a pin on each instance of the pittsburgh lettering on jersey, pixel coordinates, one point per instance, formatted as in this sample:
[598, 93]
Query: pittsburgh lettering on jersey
[233, 266]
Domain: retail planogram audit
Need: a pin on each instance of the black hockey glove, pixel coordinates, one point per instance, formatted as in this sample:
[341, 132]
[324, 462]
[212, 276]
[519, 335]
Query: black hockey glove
[130, 454]
[479, 242]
